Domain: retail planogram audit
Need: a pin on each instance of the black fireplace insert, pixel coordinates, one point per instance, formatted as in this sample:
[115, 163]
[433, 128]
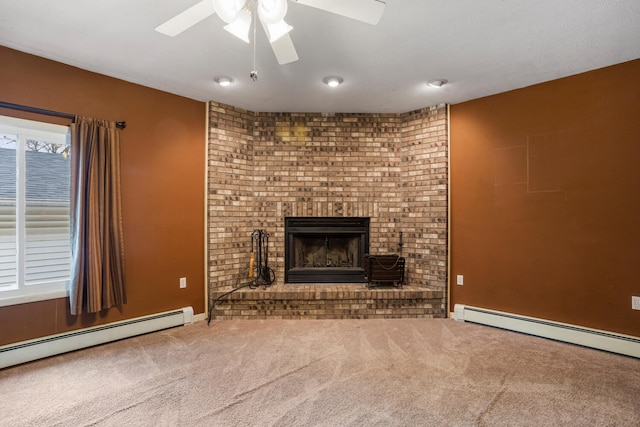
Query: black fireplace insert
[325, 249]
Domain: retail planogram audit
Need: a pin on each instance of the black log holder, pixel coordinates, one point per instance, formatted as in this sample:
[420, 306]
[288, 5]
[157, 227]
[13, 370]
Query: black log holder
[384, 270]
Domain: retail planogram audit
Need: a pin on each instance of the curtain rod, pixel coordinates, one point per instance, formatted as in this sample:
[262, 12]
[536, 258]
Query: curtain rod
[119, 125]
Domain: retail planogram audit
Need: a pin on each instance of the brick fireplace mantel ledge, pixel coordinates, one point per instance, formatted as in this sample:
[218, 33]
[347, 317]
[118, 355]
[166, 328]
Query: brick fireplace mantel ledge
[329, 301]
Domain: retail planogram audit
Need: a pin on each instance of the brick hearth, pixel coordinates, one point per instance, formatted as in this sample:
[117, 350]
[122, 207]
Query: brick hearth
[324, 301]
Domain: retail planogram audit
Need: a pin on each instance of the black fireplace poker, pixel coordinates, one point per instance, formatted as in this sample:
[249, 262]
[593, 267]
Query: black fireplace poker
[259, 271]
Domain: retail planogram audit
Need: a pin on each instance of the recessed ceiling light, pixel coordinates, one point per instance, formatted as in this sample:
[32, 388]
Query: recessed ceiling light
[333, 81]
[223, 81]
[437, 83]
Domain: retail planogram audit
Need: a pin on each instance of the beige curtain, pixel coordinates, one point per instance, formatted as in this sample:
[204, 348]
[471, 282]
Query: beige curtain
[97, 244]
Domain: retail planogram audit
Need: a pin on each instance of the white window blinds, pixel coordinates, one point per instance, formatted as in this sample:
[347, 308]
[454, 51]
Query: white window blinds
[34, 207]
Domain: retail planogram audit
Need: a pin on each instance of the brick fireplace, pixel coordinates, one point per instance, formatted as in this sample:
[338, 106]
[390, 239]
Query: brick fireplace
[389, 168]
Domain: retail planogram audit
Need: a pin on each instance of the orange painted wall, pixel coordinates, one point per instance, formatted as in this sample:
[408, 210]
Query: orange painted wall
[545, 200]
[163, 175]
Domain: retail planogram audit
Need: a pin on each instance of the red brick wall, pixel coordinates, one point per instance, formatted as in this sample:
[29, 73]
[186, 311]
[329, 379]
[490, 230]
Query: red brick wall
[424, 202]
[231, 213]
[266, 166]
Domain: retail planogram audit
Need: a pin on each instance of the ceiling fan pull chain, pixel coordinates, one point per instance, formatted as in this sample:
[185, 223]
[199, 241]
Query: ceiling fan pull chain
[254, 73]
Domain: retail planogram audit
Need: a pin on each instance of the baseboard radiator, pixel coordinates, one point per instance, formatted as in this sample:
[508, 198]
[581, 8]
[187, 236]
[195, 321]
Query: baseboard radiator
[594, 338]
[26, 351]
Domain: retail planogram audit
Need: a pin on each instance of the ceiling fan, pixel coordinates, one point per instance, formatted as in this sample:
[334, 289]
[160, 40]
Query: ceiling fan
[271, 14]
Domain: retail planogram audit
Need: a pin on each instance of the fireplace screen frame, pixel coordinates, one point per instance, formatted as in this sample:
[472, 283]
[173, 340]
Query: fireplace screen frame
[296, 227]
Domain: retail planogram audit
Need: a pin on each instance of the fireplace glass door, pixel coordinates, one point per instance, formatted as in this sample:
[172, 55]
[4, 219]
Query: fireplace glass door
[325, 250]
[328, 251]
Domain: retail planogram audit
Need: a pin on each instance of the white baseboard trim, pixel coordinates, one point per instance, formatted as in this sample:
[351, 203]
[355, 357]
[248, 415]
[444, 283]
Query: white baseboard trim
[199, 317]
[603, 340]
[26, 351]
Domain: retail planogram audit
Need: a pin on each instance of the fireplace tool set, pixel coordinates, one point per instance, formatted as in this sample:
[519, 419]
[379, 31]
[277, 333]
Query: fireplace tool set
[259, 270]
[260, 274]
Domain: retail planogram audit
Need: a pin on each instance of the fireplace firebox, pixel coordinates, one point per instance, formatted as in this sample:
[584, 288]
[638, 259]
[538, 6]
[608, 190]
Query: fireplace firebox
[325, 249]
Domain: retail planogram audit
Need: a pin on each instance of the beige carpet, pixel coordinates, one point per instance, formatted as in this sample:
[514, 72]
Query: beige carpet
[409, 372]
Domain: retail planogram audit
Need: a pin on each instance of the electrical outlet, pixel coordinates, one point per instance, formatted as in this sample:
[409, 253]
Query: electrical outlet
[635, 303]
[183, 282]
[460, 279]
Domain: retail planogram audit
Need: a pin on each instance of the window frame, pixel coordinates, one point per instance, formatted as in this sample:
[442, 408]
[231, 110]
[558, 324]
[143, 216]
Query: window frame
[22, 292]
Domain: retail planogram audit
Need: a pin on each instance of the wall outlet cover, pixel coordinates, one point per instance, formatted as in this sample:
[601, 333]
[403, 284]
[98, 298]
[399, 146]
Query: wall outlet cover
[183, 282]
[460, 279]
[635, 303]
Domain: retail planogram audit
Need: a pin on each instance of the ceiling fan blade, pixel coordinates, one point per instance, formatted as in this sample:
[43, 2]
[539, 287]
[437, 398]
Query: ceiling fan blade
[187, 19]
[284, 50]
[369, 11]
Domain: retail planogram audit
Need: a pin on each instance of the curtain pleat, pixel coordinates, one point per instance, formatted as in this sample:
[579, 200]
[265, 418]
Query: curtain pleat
[97, 243]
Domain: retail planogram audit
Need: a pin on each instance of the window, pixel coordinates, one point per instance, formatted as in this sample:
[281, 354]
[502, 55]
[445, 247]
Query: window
[35, 250]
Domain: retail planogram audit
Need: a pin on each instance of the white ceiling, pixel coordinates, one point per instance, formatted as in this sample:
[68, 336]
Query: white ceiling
[482, 47]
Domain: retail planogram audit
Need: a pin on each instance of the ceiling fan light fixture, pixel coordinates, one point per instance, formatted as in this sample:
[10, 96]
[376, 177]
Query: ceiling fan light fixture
[223, 81]
[228, 9]
[272, 11]
[437, 83]
[237, 15]
[277, 30]
[333, 81]
[241, 26]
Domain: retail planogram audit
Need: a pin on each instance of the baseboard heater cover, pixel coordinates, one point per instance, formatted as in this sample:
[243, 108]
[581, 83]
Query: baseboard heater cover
[594, 338]
[26, 351]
